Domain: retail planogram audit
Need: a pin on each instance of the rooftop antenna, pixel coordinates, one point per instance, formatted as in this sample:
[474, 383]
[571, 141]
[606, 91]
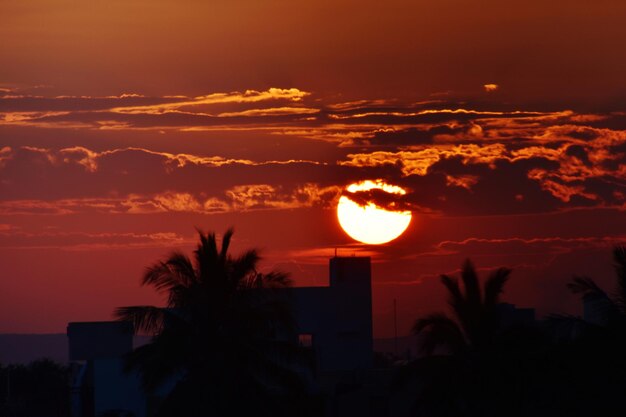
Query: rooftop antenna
[395, 326]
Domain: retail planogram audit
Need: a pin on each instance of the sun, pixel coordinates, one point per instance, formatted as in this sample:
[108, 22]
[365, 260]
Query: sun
[372, 224]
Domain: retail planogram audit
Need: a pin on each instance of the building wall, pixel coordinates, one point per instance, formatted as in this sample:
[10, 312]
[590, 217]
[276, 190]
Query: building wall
[100, 384]
[339, 317]
[596, 309]
[115, 390]
[99, 339]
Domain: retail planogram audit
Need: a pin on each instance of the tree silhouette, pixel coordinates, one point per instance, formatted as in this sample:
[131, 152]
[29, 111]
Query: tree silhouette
[39, 389]
[525, 370]
[592, 351]
[223, 338]
[474, 319]
[610, 310]
[489, 370]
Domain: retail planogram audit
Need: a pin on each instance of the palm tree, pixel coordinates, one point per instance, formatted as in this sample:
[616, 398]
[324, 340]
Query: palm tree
[592, 348]
[492, 371]
[608, 311]
[450, 384]
[612, 309]
[474, 319]
[223, 338]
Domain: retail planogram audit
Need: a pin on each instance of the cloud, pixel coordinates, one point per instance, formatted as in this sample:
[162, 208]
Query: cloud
[249, 96]
[529, 252]
[272, 111]
[5, 154]
[266, 196]
[463, 181]
[83, 241]
[563, 192]
[581, 159]
[275, 108]
[556, 159]
[418, 162]
[489, 88]
[239, 198]
[135, 111]
[90, 159]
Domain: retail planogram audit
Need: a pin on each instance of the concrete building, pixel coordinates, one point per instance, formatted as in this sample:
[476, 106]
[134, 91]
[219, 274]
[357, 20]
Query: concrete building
[99, 385]
[596, 309]
[336, 321]
[510, 315]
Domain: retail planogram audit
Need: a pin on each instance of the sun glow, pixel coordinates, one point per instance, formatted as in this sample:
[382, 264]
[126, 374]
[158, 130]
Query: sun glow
[370, 223]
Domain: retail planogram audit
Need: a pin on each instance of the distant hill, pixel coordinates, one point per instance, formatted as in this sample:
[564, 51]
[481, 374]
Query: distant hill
[25, 348]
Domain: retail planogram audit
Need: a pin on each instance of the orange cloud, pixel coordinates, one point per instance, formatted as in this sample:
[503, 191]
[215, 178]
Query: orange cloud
[561, 191]
[273, 111]
[265, 196]
[463, 181]
[90, 159]
[490, 87]
[557, 244]
[79, 241]
[249, 96]
[5, 155]
[236, 199]
[417, 162]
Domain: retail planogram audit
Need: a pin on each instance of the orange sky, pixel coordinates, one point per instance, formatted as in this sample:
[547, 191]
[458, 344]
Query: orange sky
[125, 124]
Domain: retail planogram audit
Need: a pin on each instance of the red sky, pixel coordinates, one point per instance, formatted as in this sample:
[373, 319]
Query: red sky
[124, 125]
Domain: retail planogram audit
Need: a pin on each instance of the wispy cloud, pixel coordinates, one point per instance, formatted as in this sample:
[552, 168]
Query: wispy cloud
[490, 87]
[239, 198]
[563, 157]
[82, 241]
[249, 96]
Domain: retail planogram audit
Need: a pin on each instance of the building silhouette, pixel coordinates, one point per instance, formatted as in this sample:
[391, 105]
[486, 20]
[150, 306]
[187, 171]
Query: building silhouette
[334, 321]
[99, 384]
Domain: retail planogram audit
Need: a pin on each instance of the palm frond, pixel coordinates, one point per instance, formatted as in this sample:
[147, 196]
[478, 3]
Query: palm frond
[274, 279]
[585, 286]
[265, 310]
[147, 319]
[228, 235]
[471, 284]
[207, 256]
[458, 302]
[455, 296]
[436, 330]
[176, 271]
[242, 268]
[494, 286]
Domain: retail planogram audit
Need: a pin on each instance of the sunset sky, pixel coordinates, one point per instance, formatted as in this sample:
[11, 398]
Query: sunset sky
[124, 125]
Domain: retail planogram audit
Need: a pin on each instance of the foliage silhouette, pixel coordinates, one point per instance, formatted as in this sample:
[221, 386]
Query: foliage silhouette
[223, 338]
[590, 352]
[39, 389]
[474, 320]
[524, 370]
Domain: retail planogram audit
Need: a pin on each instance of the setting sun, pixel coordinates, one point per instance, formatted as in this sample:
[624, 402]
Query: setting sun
[370, 223]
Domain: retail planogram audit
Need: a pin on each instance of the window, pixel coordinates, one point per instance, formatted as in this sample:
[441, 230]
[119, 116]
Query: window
[305, 340]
